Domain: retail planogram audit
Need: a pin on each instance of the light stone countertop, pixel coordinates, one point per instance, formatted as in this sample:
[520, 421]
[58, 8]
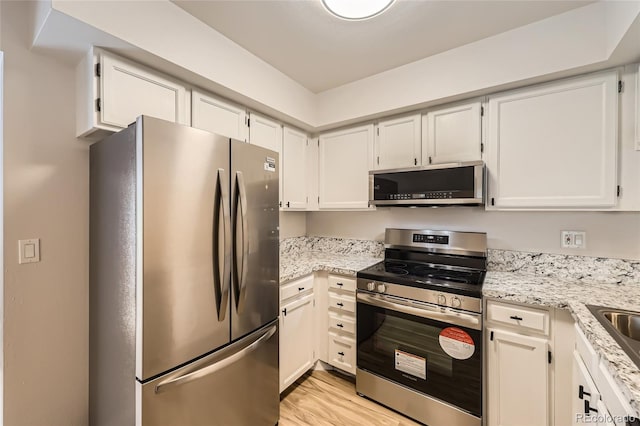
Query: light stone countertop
[298, 264]
[573, 295]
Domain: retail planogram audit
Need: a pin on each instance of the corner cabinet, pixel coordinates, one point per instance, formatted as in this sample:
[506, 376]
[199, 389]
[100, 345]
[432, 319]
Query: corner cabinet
[452, 134]
[397, 143]
[345, 158]
[217, 116]
[294, 171]
[112, 91]
[297, 339]
[554, 146]
[265, 132]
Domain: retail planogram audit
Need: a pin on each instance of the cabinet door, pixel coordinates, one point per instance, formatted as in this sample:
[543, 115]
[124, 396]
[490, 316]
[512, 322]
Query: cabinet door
[294, 170]
[345, 159]
[129, 90]
[265, 132]
[296, 339]
[312, 173]
[398, 143]
[452, 134]
[517, 379]
[554, 145]
[583, 389]
[217, 116]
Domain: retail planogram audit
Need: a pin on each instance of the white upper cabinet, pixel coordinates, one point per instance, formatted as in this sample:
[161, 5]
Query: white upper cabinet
[294, 171]
[345, 158]
[112, 92]
[554, 145]
[312, 173]
[397, 143]
[217, 116]
[265, 132]
[452, 134]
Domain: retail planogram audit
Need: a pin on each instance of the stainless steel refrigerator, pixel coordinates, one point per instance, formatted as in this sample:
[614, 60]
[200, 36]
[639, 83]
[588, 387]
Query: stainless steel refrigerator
[183, 279]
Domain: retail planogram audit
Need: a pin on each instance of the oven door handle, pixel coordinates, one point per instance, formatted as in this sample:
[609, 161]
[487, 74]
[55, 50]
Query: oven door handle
[473, 321]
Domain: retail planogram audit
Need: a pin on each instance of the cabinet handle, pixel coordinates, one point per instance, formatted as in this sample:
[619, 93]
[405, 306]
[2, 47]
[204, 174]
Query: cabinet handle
[340, 304]
[339, 284]
[514, 317]
[339, 325]
[342, 354]
[288, 204]
[587, 408]
[300, 288]
[582, 393]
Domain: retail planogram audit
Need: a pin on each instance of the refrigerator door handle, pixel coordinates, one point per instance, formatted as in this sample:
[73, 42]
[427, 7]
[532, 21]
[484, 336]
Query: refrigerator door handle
[219, 364]
[223, 204]
[241, 275]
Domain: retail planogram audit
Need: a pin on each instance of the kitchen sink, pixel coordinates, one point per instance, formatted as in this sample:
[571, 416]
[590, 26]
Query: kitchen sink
[623, 326]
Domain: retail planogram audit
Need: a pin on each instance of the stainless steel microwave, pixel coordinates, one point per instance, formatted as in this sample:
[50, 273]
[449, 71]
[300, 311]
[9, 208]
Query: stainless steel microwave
[438, 184]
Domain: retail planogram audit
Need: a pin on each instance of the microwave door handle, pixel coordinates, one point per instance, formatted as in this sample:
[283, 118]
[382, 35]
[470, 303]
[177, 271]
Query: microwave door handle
[241, 275]
[438, 314]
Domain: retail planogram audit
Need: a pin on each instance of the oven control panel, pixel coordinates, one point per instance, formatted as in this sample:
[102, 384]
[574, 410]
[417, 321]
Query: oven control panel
[431, 239]
[444, 299]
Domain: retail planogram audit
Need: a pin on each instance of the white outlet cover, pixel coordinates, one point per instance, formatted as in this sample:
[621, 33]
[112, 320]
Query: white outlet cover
[574, 239]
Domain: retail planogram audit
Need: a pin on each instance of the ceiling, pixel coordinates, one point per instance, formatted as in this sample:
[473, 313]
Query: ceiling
[319, 51]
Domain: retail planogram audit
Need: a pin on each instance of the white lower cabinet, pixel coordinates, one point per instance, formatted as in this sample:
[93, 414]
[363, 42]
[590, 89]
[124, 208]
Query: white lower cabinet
[518, 381]
[297, 337]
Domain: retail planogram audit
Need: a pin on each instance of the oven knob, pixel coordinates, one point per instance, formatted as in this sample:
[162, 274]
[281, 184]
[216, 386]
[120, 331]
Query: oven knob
[382, 288]
[456, 302]
[371, 286]
[442, 300]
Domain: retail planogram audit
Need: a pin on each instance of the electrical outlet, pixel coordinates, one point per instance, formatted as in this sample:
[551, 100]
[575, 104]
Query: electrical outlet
[574, 239]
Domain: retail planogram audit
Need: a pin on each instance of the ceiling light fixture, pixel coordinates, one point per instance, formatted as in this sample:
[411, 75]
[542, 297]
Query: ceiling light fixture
[356, 10]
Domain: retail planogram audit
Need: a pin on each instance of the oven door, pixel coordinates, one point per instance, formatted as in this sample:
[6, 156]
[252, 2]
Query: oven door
[433, 350]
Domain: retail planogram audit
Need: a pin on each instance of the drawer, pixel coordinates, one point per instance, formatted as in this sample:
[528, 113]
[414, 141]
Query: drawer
[343, 323]
[342, 283]
[342, 303]
[296, 287]
[342, 353]
[521, 317]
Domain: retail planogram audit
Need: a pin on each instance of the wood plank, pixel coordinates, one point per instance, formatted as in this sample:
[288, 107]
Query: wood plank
[325, 398]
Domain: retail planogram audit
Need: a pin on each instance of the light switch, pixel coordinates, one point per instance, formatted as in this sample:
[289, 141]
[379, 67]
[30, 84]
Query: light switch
[29, 250]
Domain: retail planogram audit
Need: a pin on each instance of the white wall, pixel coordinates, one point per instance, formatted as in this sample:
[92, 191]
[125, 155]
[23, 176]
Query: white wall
[46, 196]
[293, 224]
[614, 234]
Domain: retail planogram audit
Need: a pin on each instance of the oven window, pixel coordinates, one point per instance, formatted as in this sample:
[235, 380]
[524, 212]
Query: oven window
[408, 350]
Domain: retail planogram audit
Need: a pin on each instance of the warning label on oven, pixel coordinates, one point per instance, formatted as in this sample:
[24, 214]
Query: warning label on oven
[411, 364]
[457, 343]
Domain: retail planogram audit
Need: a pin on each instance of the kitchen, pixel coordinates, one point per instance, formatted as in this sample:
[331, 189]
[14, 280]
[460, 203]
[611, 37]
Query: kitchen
[46, 304]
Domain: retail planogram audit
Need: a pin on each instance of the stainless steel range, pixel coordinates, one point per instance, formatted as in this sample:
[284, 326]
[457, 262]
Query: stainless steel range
[419, 326]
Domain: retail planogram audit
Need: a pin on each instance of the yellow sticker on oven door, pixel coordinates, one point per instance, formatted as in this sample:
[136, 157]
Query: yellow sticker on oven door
[457, 343]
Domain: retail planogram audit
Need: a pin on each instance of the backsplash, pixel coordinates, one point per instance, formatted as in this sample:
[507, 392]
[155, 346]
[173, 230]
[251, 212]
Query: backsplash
[579, 268]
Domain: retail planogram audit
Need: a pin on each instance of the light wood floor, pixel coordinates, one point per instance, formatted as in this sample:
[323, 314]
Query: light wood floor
[324, 398]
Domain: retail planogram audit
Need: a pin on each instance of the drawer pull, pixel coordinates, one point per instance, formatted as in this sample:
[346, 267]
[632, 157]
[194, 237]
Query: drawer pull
[582, 393]
[587, 408]
[339, 284]
[340, 304]
[342, 354]
[300, 288]
[339, 325]
[284, 311]
[517, 318]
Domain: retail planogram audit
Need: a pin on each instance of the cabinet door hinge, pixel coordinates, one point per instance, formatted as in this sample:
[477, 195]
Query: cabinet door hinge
[493, 201]
[430, 160]
[620, 86]
[318, 142]
[314, 302]
[98, 105]
[618, 189]
[98, 69]
[481, 147]
[318, 199]
[481, 111]
[491, 336]
[378, 130]
[415, 161]
[378, 160]
[549, 356]
[280, 203]
[248, 122]
[307, 199]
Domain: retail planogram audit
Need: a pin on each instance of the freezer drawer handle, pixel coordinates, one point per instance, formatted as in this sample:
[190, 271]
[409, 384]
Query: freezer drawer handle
[219, 365]
[240, 275]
